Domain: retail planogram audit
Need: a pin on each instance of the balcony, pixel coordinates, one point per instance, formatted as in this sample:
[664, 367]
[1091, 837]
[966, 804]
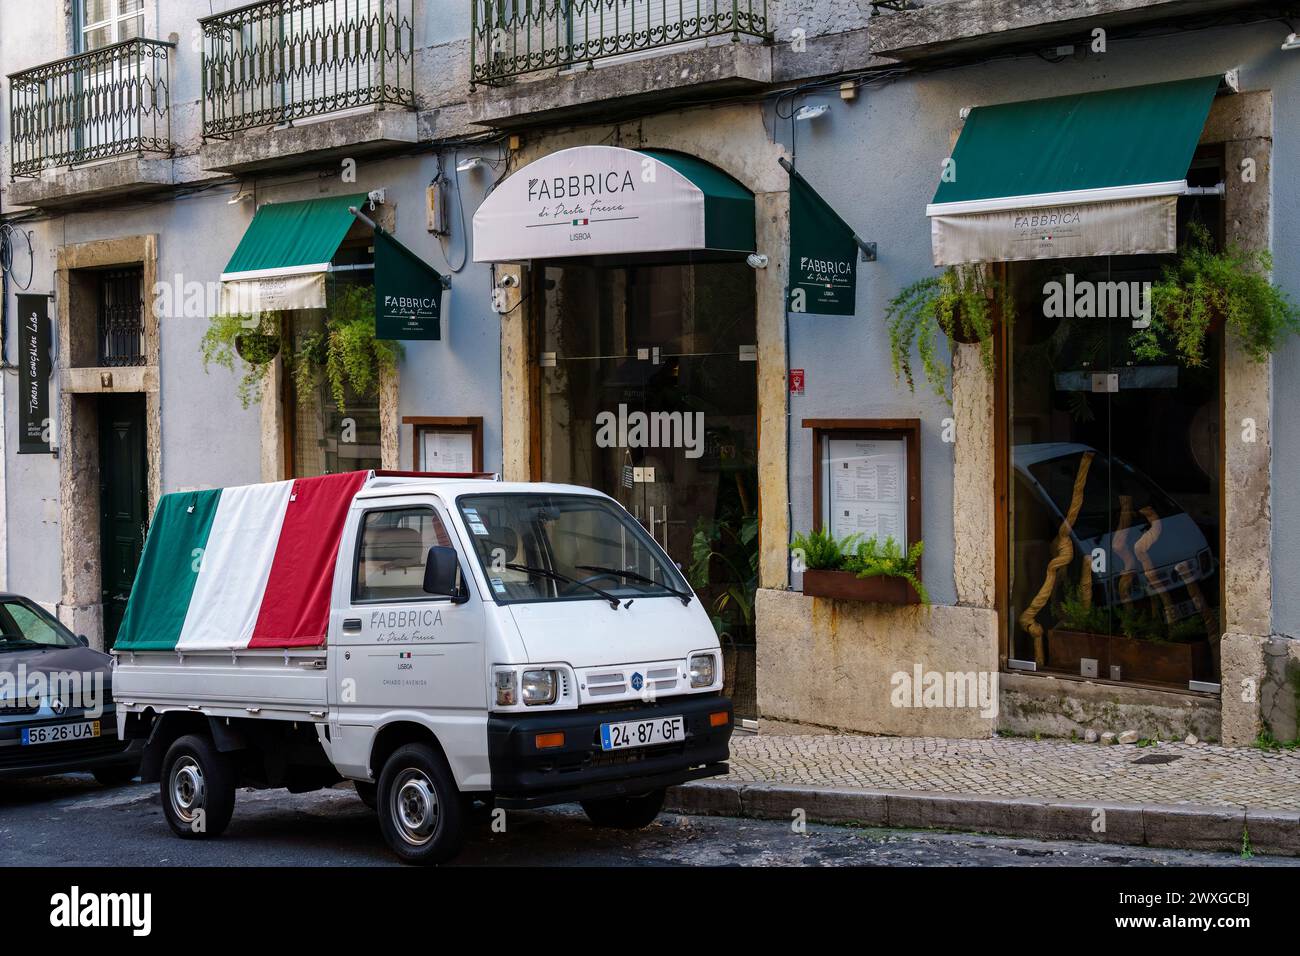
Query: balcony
[108, 104]
[652, 50]
[288, 65]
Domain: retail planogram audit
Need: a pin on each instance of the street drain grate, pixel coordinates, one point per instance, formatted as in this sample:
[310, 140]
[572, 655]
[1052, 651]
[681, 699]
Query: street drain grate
[1158, 758]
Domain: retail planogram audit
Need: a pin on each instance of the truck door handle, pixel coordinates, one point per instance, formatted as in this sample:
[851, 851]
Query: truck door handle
[352, 625]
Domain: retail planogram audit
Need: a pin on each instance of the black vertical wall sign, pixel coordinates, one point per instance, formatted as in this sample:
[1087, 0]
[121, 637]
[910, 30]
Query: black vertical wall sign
[33, 374]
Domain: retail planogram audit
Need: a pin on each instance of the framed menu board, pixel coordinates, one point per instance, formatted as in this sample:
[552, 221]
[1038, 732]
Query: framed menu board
[446, 444]
[866, 477]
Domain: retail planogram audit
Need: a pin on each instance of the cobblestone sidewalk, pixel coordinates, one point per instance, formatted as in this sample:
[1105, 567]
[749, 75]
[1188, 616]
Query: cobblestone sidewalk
[1166, 773]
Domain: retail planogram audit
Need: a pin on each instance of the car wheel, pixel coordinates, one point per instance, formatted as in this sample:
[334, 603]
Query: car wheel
[625, 813]
[420, 809]
[368, 792]
[116, 776]
[198, 788]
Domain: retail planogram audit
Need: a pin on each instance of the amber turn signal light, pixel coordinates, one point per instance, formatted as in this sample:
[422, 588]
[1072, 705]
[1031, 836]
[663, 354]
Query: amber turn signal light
[547, 741]
[719, 719]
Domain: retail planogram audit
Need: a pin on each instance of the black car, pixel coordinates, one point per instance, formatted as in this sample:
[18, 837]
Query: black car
[56, 701]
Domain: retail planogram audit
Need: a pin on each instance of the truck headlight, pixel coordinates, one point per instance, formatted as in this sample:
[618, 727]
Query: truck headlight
[703, 668]
[539, 687]
[507, 686]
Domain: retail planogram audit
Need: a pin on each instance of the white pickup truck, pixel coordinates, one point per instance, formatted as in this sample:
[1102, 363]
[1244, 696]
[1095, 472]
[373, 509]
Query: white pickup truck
[437, 640]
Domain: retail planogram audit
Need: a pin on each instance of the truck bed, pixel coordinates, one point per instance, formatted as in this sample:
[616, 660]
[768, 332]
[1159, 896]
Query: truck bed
[286, 684]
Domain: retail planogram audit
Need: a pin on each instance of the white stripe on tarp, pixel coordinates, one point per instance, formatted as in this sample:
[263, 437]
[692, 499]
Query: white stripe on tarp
[236, 565]
[1070, 197]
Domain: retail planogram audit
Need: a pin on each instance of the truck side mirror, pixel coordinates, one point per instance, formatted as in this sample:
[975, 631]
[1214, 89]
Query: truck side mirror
[442, 574]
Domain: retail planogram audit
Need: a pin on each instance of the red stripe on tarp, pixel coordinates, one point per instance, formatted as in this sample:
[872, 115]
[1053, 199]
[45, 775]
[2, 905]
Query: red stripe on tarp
[295, 609]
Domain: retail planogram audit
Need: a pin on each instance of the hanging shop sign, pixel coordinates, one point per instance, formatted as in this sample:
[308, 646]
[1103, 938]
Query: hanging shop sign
[607, 200]
[408, 293]
[823, 254]
[34, 375]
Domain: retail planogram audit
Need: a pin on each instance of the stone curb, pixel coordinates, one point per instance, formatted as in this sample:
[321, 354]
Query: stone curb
[1182, 826]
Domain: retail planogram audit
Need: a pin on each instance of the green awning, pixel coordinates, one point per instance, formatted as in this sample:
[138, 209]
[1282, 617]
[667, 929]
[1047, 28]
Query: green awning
[608, 200]
[281, 261]
[1086, 174]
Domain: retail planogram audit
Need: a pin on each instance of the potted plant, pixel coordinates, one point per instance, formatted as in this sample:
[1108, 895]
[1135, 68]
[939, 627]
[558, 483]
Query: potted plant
[255, 339]
[1142, 644]
[346, 352]
[959, 302]
[851, 569]
[1206, 290]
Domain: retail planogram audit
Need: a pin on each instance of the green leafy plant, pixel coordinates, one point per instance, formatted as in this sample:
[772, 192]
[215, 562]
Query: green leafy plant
[1074, 614]
[1206, 287]
[873, 558]
[820, 550]
[725, 553]
[255, 340]
[346, 353]
[959, 302]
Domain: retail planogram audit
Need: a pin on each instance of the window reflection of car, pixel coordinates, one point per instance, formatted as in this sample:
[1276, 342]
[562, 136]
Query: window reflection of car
[56, 704]
[1178, 554]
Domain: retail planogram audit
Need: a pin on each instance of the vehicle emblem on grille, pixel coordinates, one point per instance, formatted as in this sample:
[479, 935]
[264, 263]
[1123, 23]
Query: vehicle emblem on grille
[637, 680]
[57, 705]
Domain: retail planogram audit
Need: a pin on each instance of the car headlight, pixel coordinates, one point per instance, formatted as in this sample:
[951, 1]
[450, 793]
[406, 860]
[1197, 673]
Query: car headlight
[538, 687]
[703, 668]
[507, 686]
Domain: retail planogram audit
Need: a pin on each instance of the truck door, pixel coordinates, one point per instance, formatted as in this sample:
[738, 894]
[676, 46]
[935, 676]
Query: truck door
[395, 648]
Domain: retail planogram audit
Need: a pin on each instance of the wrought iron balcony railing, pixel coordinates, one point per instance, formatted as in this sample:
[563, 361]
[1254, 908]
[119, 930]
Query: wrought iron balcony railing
[282, 60]
[109, 102]
[514, 37]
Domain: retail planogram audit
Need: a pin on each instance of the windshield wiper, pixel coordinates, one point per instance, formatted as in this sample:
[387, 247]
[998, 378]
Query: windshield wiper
[634, 576]
[557, 576]
[11, 642]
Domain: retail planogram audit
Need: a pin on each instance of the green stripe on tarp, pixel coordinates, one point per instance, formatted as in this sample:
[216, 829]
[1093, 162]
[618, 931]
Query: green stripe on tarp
[1126, 137]
[728, 205]
[169, 566]
[287, 234]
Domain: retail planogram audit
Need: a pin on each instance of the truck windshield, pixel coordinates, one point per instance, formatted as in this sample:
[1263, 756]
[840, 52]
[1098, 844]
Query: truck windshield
[547, 547]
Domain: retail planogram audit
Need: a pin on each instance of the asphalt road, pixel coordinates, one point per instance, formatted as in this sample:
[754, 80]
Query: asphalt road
[70, 820]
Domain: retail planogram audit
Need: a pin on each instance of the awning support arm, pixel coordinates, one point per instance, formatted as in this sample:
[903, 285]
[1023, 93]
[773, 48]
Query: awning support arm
[446, 280]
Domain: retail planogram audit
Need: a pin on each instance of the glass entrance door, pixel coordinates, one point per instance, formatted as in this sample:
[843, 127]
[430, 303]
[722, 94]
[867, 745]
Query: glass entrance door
[648, 394]
[1113, 480]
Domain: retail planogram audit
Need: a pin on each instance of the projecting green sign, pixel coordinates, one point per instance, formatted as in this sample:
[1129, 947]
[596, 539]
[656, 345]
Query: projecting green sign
[823, 255]
[408, 293]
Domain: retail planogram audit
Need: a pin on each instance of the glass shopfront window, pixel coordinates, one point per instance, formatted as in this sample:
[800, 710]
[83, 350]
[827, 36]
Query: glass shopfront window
[648, 392]
[1113, 478]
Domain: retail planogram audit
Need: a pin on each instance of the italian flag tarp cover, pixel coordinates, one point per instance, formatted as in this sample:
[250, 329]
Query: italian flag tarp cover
[242, 567]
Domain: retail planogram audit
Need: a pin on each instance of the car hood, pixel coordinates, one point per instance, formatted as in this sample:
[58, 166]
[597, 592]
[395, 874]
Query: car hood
[589, 633]
[50, 659]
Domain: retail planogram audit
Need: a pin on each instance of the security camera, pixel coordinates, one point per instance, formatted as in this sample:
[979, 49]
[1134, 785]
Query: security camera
[508, 281]
[756, 260]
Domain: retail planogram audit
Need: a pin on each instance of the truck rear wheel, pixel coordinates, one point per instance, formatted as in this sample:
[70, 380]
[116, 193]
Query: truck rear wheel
[420, 811]
[198, 788]
[625, 813]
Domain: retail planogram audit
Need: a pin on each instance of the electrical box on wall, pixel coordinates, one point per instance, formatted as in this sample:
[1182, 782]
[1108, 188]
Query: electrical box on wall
[436, 207]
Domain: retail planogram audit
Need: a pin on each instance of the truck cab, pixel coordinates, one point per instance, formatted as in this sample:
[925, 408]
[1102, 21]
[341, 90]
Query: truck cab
[518, 644]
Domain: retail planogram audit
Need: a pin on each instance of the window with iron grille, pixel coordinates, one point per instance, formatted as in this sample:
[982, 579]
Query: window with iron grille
[121, 317]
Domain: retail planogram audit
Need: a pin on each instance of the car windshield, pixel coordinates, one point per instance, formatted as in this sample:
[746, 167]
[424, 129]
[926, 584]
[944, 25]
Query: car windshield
[558, 547]
[24, 626]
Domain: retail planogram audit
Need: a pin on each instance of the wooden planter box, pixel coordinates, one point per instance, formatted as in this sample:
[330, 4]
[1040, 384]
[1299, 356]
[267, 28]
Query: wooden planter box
[844, 586]
[1145, 661]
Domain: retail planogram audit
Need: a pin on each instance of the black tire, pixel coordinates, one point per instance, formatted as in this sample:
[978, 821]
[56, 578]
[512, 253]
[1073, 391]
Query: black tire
[116, 775]
[625, 813]
[421, 812]
[368, 792]
[196, 776]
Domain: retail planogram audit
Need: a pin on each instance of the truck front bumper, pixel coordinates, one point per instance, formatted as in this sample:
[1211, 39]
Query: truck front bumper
[524, 775]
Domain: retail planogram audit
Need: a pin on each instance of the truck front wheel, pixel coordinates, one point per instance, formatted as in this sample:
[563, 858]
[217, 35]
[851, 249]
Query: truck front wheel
[625, 813]
[420, 810]
[198, 788]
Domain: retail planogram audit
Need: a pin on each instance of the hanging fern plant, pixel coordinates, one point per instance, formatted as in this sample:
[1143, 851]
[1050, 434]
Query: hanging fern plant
[346, 353]
[960, 303]
[255, 340]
